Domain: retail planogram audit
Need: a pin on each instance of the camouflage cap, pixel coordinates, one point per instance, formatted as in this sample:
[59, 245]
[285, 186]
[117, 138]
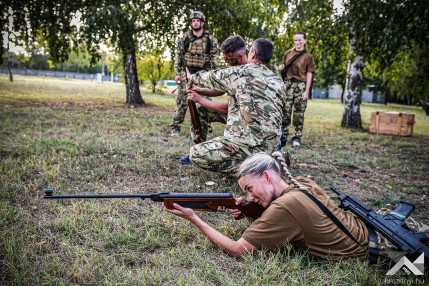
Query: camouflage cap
[198, 15]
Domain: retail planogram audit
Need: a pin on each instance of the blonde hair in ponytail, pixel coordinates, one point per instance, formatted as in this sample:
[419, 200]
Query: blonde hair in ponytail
[257, 163]
[278, 156]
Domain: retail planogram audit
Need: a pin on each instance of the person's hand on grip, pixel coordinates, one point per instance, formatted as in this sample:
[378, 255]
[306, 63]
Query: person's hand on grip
[236, 213]
[194, 96]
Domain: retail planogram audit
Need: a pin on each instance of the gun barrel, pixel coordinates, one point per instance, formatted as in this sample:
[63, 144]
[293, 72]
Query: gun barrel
[95, 196]
[197, 201]
[197, 195]
[49, 194]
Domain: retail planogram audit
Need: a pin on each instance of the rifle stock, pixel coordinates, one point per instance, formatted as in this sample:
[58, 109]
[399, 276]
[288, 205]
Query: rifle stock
[193, 112]
[198, 201]
[195, 121]
[391, 225]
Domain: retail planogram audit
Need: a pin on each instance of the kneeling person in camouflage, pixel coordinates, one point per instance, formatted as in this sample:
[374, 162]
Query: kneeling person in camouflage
[255, 109]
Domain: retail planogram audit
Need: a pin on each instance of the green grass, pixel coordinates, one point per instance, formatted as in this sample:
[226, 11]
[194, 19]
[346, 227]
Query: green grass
[78, 136]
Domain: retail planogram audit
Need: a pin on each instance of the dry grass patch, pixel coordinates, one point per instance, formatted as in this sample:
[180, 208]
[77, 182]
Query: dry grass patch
[79, 137]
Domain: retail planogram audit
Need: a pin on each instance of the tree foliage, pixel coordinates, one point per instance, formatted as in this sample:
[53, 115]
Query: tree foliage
[78, 61]
[387, 31]
[125, 25]
[384, 28]
[249, 19]
[153, 67]
[326, 38]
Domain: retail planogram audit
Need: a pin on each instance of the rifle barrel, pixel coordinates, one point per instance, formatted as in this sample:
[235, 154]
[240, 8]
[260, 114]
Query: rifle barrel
[96, 196]
[49, 194]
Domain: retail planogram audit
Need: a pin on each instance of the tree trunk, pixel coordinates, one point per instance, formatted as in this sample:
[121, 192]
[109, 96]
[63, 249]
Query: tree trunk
[386, 91]
[9, 68]
[344, 86]
[131, 80]
[9, 63]
[159, 70]
[153, 86]
[353, 94]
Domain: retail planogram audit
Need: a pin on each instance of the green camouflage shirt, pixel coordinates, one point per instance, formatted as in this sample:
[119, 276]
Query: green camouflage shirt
[257, 105]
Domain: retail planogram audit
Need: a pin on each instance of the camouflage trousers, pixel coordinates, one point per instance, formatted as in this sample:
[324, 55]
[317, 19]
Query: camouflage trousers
[181, 106]
[206, 116]
[296, 106]
[221, 155]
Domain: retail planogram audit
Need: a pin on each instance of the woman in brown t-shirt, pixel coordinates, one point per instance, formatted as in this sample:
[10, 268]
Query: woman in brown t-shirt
[290, 216]
[297, 70]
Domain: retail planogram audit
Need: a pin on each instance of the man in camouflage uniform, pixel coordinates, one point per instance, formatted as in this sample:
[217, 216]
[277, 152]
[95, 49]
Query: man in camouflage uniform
[196, 51]
[255, 110]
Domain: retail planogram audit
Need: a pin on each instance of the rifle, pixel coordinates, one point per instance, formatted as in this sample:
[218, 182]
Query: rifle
[391, 225]
[197, 201]
[195, 118]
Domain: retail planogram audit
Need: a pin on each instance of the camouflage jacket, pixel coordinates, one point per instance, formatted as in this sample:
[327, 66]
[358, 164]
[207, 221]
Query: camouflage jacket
[198, 53]
[257, 107]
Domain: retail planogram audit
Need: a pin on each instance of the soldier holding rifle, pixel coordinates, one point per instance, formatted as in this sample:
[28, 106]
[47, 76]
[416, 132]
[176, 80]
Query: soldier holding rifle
[196, 51]
[255, 108]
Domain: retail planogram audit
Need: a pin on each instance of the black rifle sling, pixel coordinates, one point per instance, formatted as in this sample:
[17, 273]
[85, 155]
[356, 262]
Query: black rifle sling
[334, 219]
[284, 72]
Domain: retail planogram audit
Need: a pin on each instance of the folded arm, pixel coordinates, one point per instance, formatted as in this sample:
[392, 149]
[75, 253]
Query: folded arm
[207, 91]
[217, 106]
[222, 79]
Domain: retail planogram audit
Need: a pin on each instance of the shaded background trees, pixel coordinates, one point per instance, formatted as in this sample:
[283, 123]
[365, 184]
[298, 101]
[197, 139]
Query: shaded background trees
[326, 36]
[153, 67]
[124, 25]
[388, 35]
[391, 37]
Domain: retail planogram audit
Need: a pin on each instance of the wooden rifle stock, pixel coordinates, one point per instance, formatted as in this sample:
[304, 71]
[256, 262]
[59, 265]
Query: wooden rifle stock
[195, 121]
[248, 209]
[193, 112]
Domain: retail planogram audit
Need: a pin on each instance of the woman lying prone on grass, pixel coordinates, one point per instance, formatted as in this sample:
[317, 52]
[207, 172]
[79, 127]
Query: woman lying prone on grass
[291, 216]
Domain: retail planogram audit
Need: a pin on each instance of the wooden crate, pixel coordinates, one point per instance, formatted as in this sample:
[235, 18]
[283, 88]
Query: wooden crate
[392, 123]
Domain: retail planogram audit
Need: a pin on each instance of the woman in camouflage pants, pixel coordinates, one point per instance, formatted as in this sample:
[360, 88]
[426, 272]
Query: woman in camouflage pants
[297, 69]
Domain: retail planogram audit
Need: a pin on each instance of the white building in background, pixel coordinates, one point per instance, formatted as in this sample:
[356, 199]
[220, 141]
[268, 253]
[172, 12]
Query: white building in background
[334, 91]
[369, 94]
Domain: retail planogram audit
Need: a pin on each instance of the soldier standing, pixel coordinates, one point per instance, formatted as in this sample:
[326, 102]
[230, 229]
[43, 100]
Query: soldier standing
[195, 51]
[297, 71]
[255, 109]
